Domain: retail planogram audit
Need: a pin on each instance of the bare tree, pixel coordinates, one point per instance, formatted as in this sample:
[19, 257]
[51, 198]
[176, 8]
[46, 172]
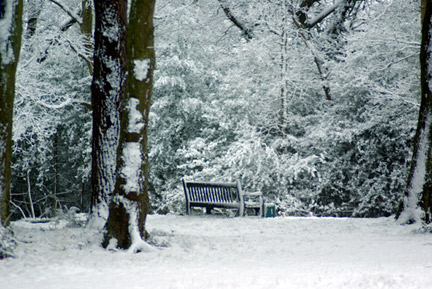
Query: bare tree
[417, 205]
[10, 43]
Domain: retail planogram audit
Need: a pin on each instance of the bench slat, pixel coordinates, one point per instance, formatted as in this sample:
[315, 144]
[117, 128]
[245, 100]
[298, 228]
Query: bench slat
[210, 195]
[219, 195]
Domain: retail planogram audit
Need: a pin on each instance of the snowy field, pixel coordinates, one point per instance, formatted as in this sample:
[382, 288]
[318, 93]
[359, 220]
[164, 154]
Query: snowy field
[221, 252]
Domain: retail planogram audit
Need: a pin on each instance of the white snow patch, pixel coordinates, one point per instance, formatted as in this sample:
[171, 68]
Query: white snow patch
[112, 244]
[141, 68]
[132, 160]
[99, 215]
[136, 120]
[215, 252]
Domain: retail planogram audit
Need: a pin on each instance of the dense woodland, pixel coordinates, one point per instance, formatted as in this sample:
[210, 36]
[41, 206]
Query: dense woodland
[237, 94]
[314, 103]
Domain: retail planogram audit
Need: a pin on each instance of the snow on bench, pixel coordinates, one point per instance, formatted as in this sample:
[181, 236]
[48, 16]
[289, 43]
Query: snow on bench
[211, 195]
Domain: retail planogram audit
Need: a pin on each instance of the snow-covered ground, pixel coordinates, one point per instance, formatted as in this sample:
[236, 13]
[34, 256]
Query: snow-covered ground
[221, 252]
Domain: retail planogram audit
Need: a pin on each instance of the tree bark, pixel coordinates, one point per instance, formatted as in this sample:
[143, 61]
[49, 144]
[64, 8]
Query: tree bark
[87, 28]
[130, 205]
[10, 43]
[417, 204]
[108, 89]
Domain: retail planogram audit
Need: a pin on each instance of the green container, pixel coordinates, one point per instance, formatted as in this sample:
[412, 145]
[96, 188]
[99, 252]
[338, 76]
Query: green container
[269, 210]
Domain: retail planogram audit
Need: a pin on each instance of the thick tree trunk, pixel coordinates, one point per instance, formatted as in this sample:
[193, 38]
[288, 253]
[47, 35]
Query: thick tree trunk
[130, 205]
[10, 43]
[417, 205]
[108, 89]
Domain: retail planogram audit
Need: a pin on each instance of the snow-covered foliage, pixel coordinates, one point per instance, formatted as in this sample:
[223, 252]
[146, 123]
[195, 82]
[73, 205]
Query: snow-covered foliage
[216, 110]
[226, 107]
[52, 127]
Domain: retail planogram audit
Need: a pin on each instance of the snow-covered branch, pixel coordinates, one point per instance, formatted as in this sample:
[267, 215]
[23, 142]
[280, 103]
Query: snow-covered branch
[68, 11]
[81, 55]
[320, 17]
[317, 59]
[63, 104]
[247, 33]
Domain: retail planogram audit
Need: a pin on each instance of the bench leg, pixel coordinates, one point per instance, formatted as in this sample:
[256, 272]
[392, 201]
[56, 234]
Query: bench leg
[261, 207]
[242, 209]
[208, 210]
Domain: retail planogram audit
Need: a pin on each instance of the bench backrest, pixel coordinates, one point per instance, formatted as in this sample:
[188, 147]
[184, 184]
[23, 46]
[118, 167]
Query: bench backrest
[213, 193]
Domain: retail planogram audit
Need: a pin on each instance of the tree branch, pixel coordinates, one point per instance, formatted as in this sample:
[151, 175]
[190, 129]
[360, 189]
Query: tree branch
[81, 55]
[322, 15]
[247, 33]
[69, 12]
[64, 104]
[317, 59]
[301, 13]
[305, 5]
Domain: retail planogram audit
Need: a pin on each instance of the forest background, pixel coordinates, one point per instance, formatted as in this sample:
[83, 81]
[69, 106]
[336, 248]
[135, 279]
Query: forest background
[233, 102]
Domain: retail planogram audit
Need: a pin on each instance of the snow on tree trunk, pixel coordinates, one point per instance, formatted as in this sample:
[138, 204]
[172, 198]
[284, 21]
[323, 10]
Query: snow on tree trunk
[417, 205]
[108, 89]
[10, 42]
[130, 205]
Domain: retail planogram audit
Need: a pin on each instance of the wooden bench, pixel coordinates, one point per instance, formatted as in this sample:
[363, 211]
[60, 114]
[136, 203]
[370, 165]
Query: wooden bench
[221, 195]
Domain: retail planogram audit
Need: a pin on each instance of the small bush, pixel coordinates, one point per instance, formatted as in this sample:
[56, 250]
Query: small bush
[7, 243]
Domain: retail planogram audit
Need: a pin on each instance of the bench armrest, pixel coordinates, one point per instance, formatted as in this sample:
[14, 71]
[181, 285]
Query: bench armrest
[253, 194]
[253, 200]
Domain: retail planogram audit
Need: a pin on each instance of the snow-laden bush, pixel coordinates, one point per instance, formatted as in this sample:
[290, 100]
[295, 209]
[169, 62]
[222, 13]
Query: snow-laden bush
[217, 113]
[366, 162]
[8, 242]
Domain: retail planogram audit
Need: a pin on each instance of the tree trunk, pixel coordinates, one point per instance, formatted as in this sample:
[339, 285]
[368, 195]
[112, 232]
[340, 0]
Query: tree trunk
[417, 205]
[130, 205]
[284, 72]
[87, 28]
[10, 43]
[108, 89]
